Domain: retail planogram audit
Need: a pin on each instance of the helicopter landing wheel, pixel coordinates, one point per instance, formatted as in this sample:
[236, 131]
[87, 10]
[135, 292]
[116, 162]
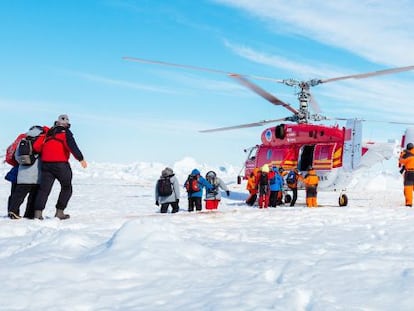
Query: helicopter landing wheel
[288, 198]
[343, 200]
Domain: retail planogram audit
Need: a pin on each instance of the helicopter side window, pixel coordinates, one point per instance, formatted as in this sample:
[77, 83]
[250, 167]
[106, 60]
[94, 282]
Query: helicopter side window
[280, 131]
[269, 154]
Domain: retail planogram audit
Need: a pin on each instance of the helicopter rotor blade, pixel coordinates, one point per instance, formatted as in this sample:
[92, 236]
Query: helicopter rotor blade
[369, 74]
[157, 62]
[227, 128]
[373, 121]
[266, 95]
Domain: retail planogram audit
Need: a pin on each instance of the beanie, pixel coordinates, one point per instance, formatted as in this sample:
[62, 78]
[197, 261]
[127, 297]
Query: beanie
[63, 120]
[35, 131]
[265, 168]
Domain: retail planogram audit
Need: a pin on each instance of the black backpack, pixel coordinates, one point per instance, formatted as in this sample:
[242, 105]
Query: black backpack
[263, 179]
[164, 187]
[26, 155]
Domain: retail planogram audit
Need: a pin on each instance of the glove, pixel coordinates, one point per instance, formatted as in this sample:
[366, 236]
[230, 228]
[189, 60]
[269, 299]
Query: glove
[178, 200]
[228, 193]
[157, 203]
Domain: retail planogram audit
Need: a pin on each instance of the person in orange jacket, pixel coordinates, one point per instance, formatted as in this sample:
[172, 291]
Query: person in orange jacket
[407, 161]
[311, 185]
[251, 186]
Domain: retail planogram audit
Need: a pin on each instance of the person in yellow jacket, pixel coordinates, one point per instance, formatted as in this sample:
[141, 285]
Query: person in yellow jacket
[407, 161]
[311, 184]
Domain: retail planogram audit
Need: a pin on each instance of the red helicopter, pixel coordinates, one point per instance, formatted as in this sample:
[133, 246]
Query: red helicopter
[333, 151]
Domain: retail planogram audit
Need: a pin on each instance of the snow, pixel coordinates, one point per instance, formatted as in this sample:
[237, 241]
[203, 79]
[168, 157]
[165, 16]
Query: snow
[117, 252]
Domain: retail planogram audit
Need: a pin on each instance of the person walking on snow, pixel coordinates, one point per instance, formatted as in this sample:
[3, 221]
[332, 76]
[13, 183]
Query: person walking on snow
[407, 161]
[275, 185]
[251, 186]
[55, 148]
[311, 181]
[263, 185]
[28, 180]
[292, 183]
[213, 196]
[195, 184]
[167, 191]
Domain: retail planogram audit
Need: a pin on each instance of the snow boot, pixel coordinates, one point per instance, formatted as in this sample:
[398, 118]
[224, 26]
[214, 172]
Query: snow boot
[59, 214]
[38, 215]
[14, 215]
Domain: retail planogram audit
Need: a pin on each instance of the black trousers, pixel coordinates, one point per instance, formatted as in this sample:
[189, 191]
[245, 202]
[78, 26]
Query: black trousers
[174, 205]
[13, 187]
[294, 197]
[251, 199]
[50, 172]
[18, 196]
[273, 199]
[194, 201]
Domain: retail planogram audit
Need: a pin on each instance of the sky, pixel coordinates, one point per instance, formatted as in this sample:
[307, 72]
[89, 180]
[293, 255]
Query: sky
[66, 57]
[117, 252]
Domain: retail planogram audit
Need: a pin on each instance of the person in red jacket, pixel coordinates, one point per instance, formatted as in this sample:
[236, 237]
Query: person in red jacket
[55, 148]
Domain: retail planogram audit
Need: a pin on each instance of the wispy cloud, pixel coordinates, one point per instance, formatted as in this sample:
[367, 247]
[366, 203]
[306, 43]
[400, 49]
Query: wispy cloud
[379, 31]
[123, 83]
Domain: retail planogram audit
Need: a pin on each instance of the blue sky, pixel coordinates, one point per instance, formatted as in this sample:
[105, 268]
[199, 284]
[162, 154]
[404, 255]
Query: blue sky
[66, 57]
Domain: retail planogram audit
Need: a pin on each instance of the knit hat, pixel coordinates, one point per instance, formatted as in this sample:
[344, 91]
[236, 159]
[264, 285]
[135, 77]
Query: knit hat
[211, 174]
[167, 172]
[265, 168]
[35, 131]
[63, 120]
[410, 146]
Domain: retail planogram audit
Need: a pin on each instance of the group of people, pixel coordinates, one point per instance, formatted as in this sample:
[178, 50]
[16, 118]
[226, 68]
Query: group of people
[50, 149]
[167, 190]
[266, 185]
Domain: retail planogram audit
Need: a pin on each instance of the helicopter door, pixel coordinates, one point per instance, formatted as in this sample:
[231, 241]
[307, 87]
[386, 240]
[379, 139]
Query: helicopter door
[322, 158]
[305, 157]
[352, 144]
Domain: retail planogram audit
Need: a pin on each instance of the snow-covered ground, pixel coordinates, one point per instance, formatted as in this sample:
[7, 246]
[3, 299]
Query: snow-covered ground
[117, 252]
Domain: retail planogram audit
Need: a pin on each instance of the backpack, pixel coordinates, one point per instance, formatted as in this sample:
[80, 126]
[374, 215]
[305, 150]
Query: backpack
[192, 184]
[291, 178]
[26, 155]
[11, 150]
[164, 186]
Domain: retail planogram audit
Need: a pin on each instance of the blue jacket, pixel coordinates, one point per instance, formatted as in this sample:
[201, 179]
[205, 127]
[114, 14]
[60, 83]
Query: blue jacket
[278, 182]
[202, 183]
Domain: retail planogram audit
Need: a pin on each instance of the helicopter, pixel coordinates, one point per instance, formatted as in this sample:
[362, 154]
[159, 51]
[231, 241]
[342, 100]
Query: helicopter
[334, 152]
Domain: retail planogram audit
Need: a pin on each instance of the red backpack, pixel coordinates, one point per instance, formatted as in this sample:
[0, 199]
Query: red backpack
[12, 149]
[192, 184]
